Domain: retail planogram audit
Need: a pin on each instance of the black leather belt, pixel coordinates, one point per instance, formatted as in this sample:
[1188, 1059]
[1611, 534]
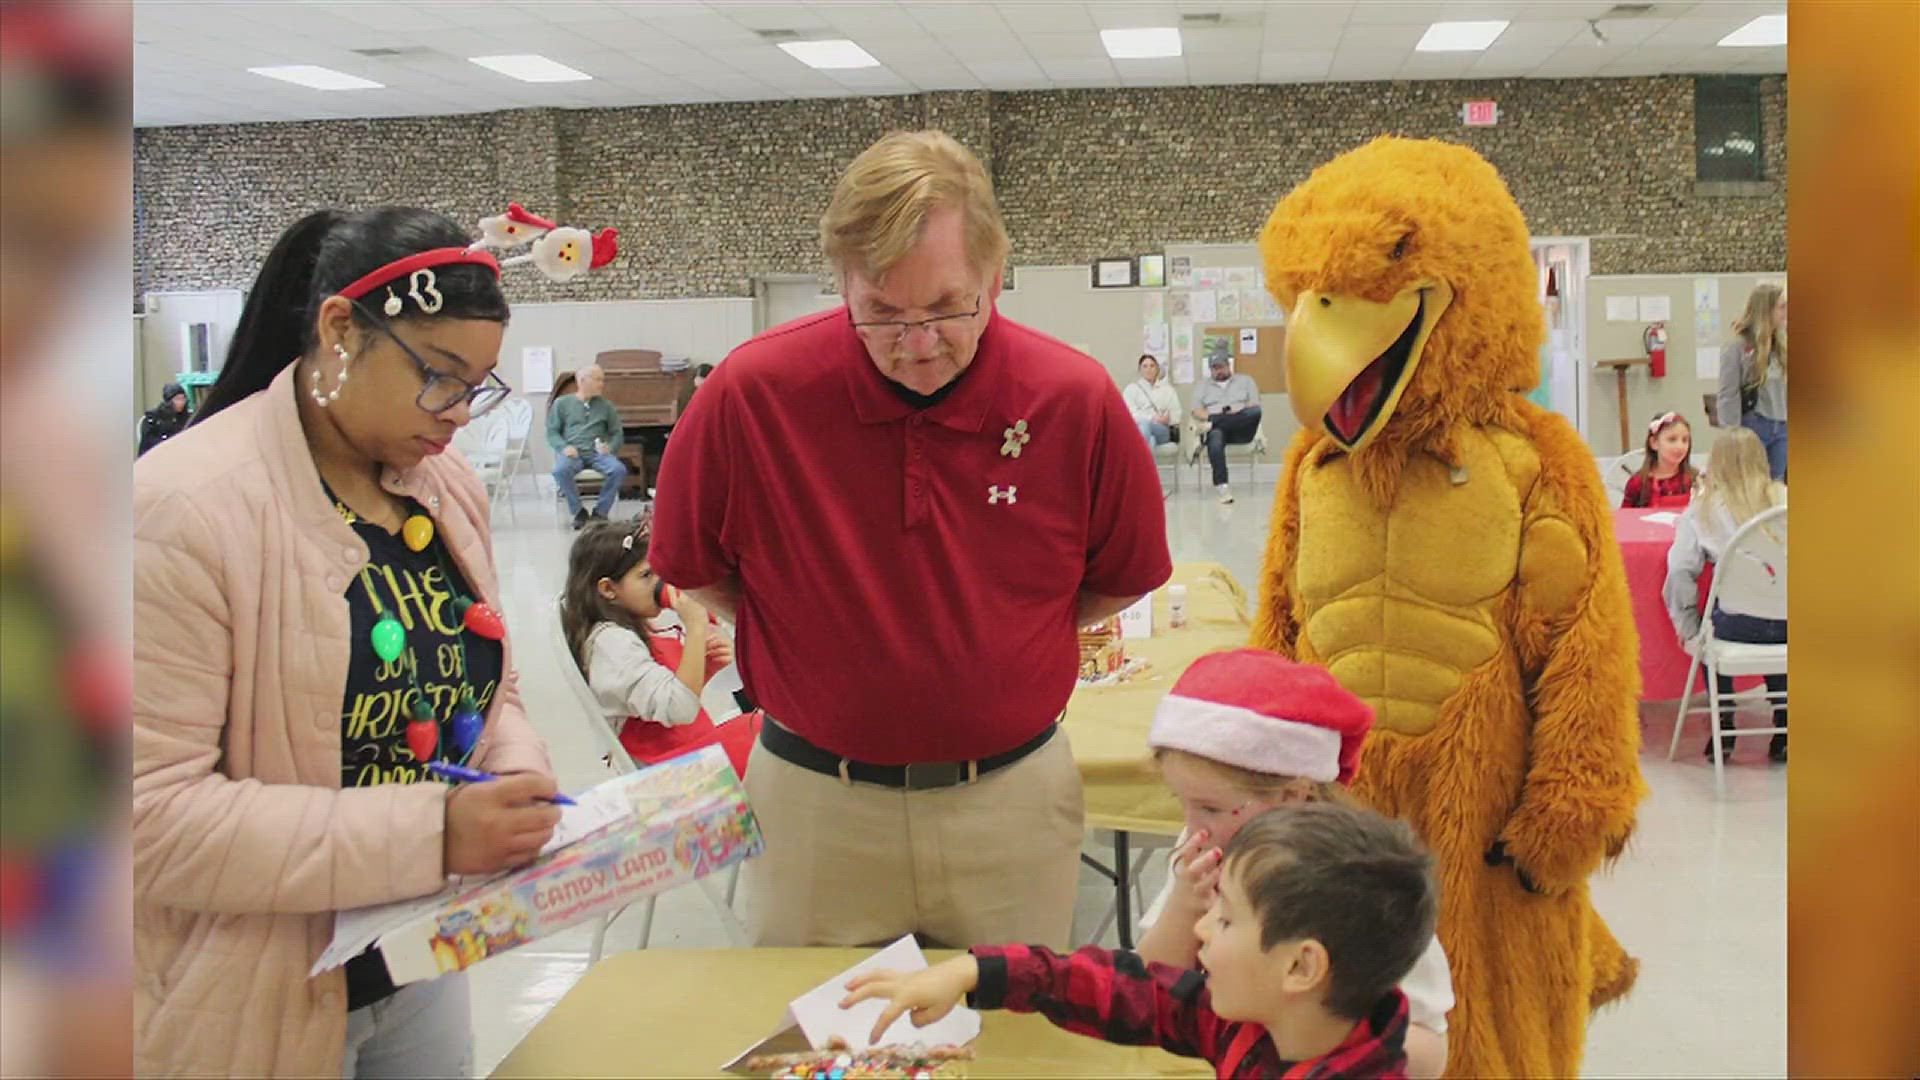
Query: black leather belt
[795, 750]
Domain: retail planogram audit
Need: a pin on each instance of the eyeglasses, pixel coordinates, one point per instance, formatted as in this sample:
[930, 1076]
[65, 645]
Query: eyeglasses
[893, 330]
[443, 391]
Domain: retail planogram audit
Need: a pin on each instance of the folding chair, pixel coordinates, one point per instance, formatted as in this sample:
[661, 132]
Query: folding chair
[1757, 562]
[622, 763]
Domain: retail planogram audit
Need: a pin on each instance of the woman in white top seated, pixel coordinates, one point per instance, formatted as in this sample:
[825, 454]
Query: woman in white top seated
[1752, 603]
[1153, 403]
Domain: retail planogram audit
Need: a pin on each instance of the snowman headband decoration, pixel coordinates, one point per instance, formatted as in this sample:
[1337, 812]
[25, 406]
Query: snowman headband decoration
[562, 253]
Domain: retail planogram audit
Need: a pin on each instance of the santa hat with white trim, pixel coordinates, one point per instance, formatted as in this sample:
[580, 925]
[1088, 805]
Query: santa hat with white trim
[1260, 711]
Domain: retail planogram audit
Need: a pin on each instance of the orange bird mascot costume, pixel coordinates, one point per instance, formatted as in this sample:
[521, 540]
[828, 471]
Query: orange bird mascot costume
[1445, 548]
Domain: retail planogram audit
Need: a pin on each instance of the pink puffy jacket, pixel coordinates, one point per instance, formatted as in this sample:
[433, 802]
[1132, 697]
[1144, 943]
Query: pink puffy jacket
[244, 842]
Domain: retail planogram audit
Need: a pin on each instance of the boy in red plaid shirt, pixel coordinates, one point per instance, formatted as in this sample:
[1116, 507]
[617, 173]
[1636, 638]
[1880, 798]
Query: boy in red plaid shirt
[1322, 910]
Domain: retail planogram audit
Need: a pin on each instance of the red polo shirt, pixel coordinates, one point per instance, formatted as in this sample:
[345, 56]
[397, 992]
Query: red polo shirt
[908, 590]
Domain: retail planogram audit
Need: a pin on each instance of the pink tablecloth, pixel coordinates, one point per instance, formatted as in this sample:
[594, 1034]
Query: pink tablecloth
[1643, 546]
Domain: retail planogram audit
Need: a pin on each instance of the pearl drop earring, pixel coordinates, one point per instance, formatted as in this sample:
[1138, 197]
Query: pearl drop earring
[324, 400]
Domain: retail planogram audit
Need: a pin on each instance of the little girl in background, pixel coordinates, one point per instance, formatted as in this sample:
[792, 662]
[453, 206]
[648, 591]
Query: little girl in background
[1667, 476]
[1752, 604]
[647, 678]
[1241, 732]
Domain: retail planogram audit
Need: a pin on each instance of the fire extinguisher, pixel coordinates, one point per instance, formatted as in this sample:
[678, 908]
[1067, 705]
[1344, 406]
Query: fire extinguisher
[1655, 340]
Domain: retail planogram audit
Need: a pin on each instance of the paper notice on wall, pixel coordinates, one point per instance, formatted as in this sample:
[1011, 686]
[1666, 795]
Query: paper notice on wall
[1623, 309]
[1209, 277]
[1153, 307]
[1153, 337]
[1183, 339]
[1179, 305]
[1180, 271]
[1706, 294]
[1706, 362]
[1656, 308]
[1241, 277]
[1183, 371]
[536, 367]
[1227, 307]
[1205, 307]
[1249, 341]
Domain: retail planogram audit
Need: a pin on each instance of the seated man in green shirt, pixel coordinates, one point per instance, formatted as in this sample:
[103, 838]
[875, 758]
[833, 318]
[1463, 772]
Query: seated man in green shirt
[584, 430]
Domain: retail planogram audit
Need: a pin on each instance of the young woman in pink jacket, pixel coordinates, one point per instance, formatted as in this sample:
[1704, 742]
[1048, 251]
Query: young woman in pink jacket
[316, 619]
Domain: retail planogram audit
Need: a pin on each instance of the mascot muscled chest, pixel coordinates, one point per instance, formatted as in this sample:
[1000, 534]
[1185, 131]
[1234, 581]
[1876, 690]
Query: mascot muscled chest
[1401, 601]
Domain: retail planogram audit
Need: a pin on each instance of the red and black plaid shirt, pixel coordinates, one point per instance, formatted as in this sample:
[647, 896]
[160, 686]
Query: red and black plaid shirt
[1118, 998]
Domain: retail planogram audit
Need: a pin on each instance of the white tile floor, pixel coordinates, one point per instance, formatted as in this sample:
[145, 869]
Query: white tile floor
[1700, 896]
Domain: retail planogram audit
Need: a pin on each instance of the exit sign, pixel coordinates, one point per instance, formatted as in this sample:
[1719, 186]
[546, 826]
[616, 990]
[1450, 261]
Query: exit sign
[1480, 113]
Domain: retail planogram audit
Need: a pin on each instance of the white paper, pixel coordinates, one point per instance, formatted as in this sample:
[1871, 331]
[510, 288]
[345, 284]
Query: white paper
[1203, 305]
[1623, 309]
[1656, 308]
[1137, 621]
[1240, 277]
[1249, 341]
[591, 812]
[1661, 517]
[1183, 370]
[1706, 362]
[1209, 278]
[536, 367]
[1179, 305]
[1154, 337]
[818, 1015]
[1706, 294]
[1227, 307]
[1153, 307]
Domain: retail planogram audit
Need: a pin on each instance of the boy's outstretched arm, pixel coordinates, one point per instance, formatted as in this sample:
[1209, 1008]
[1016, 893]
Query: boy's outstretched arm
[1112, 996]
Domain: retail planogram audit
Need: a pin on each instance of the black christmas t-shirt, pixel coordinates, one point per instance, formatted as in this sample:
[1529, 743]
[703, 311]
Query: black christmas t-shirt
[419, 588]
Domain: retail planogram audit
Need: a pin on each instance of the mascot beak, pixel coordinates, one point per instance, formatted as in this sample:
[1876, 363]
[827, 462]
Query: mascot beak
[1349, 360]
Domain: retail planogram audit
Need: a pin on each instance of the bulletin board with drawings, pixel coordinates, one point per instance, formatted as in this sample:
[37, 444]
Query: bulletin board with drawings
[1266, 363]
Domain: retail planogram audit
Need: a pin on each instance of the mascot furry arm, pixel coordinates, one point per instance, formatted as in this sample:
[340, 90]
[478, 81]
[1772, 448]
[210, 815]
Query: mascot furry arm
[1445, 548]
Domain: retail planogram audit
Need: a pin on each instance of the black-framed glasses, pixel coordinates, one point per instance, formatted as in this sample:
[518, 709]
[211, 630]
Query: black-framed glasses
[442, 391]
[892, 330]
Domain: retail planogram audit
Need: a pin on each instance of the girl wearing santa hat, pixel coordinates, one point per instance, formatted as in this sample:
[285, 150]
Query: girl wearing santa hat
[1242, 732]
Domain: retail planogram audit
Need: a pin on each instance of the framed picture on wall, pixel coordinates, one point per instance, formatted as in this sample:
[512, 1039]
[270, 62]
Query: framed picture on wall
[1113, 273]
[1153, 271]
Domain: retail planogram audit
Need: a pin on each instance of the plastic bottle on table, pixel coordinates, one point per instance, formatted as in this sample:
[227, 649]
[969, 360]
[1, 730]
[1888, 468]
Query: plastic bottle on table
[1176, 606]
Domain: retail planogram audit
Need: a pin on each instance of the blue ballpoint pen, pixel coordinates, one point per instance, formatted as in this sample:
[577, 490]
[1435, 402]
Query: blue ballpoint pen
[474, 776]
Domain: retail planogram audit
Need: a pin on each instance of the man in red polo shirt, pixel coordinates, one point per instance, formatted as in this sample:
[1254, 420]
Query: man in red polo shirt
[909, 505]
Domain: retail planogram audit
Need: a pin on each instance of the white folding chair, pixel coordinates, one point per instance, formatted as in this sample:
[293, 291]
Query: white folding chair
[484, 444]
[516, 415]
[1615, 472]
[1172, 451]
[1253, 452]
[622, 763]
[1756, 560]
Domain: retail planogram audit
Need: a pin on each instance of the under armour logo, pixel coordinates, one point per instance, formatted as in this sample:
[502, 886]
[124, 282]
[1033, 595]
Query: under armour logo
[995, 496]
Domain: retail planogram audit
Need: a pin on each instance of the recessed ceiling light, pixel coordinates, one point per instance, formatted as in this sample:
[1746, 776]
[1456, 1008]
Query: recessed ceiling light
[530, 67]
[1765, 30]
[1147, 43]
[831, 55]
[1460, 36]
[317, 78]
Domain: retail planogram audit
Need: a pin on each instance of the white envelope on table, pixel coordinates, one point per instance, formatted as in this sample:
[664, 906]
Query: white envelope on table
[815, 1017]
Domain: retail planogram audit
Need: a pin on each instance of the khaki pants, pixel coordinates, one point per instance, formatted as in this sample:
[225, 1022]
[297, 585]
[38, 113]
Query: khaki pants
[846, 864]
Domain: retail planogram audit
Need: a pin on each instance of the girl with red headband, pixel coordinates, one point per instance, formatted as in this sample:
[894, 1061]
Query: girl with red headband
[1667, 476]
[315, 623]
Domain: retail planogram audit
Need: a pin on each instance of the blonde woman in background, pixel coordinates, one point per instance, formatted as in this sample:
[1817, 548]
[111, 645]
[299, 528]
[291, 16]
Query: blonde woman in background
[1753, 375]
[1751, 607]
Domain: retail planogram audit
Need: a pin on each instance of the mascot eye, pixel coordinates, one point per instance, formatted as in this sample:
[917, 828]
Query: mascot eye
[1400, 247]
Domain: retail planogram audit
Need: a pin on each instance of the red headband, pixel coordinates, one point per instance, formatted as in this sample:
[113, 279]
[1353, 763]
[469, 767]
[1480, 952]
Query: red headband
[424, 261]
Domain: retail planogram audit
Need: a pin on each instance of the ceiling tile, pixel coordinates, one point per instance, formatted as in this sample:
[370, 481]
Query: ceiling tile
[1046, 16]
[1707, 31]
[1084, 46]
[946, 80]
[703, 30]
[1295, 64]
[1631, 31]
[1284, 36]
[1403, 38]
[1221, 41]
[944, 18]
[1079, 69]
[1006, 69]
[1541, 32]
[1122, 16]
[1387, 13]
